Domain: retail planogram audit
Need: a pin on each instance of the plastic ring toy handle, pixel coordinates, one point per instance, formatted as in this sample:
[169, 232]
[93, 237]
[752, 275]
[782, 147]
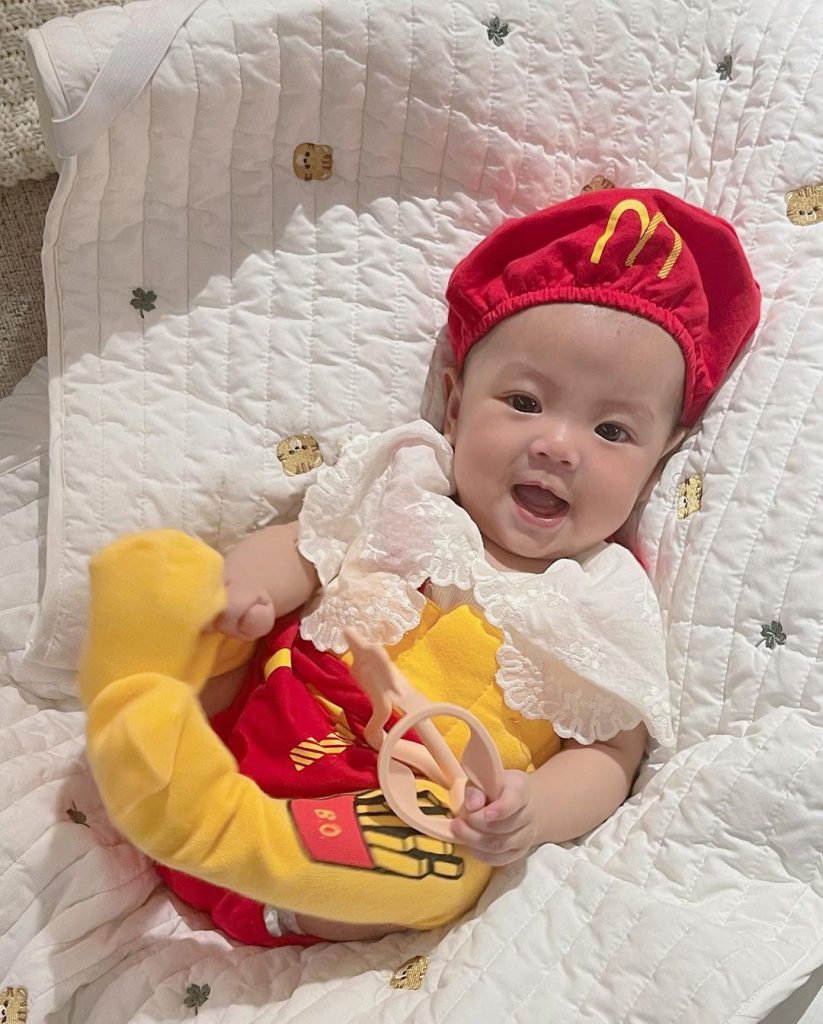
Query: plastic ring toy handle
[480, 764]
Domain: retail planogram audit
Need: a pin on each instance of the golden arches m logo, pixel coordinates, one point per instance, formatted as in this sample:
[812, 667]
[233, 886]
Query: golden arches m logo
[648, 226]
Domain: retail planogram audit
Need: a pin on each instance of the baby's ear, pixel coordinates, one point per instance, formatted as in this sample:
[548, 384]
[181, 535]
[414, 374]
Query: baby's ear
[452, 389]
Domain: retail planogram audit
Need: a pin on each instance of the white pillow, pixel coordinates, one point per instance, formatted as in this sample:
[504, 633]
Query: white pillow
[284, 306]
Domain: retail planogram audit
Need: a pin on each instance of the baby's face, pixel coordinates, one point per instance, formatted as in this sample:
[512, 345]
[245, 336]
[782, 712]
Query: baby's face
[558, 421]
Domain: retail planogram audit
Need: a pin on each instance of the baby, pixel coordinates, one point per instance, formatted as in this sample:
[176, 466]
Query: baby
[587, 339]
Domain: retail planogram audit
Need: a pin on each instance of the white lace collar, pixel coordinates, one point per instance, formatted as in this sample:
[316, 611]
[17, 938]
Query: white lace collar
[582, 643]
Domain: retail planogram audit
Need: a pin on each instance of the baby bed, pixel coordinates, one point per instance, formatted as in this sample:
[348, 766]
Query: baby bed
[258, 208]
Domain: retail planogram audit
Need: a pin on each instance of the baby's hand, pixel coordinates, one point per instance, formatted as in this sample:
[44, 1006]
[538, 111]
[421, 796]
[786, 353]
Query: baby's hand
[249, 611]
[503, 830]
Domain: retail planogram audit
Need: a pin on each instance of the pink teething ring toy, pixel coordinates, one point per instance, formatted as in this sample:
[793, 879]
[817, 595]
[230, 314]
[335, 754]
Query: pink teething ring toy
[398, 759]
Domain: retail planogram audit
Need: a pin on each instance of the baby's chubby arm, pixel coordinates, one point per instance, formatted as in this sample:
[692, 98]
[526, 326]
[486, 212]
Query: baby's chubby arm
[265, 576]
[577, 789]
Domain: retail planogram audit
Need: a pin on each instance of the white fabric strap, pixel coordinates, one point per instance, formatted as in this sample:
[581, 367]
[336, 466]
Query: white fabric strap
[125, 73]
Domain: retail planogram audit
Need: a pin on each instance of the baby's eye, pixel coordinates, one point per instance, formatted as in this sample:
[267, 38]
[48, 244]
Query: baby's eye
[523, 403]
[611, 432]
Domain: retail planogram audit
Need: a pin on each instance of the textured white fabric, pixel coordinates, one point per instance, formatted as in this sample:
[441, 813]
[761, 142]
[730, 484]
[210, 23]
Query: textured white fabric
[582, 642]
[701, 900]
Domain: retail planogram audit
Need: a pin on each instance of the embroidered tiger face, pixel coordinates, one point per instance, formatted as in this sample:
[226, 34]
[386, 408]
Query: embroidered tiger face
[299, 453]
[312, 161]
[804, 205]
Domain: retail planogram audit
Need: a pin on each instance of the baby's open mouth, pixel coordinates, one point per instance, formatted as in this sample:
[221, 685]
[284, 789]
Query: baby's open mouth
[539, 501]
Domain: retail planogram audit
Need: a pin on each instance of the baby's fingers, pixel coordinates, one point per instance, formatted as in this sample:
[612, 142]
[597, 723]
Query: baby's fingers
[505, 814]
[492, 849]
[246, 619]
[258, 619]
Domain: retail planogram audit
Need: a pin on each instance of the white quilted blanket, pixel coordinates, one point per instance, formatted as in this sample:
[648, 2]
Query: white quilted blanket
[205, 303]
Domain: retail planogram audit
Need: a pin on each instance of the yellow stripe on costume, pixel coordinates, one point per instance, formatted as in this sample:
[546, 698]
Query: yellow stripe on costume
[310, 750]
[280, 659]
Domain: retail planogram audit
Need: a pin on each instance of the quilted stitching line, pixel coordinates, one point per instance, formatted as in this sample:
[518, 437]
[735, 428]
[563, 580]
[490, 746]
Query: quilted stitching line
[491, 121]
[699, 768]
[224, 455]
[358, 218]
[59, 412]
[620, 120]
[651, 974]
[101, 393]
[143, 342]
[102, 479]
[660, 51]
[437, 270]
[691, 755]
[184, 489]
[308, 420]
[688, 998]
[585, 121]
[562, 114]
[767, 506]
[103, 475]
[770, 832]
[724, 97]
[686, 1002]
[722, 809]
[269, 456]
[721, 519]
[528, 129]
[397, 356]
[790, 131]
[754, 547]
[622, 942]
[802, 956]
[676, 75]
[709, 543]
[504, 946]
[542, 981]
[767, 106]
[813, 509]
[527, 136]
[812, 664]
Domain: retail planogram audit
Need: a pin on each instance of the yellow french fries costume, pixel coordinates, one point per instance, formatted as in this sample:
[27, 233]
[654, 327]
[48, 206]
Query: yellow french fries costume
[277, 803]
[173, 789]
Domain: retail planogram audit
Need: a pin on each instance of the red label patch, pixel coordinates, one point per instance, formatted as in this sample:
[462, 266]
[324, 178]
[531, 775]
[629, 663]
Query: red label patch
[330, 832]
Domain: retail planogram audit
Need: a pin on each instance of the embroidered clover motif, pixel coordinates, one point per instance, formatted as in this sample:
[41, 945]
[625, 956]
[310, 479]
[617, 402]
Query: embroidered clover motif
[77, 816]
[496, 30]
[772, 635]
[724, 68]
[196, 996]
[143, 301]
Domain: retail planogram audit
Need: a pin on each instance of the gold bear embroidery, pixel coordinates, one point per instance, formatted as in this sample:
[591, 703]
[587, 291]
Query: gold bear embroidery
[313, 161]
[804, 205]
[299, 453]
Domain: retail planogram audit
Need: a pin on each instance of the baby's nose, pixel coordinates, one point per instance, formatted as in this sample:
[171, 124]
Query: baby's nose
[556, 440]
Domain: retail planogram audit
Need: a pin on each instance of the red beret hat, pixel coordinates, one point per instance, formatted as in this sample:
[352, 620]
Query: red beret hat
[643, 251]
